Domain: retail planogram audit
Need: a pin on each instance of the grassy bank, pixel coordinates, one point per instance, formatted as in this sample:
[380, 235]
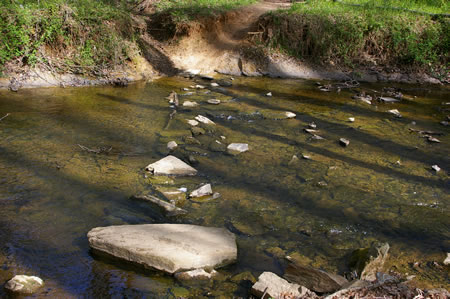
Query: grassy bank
[79, 36]
[372, 32]
[86, 36]
[186, 10]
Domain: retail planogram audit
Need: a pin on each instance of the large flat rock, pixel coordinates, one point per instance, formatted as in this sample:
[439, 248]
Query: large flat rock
[171, 165]
[167, 247]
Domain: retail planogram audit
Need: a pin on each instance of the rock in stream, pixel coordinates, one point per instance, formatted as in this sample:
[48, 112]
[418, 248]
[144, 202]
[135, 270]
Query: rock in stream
[167, 247]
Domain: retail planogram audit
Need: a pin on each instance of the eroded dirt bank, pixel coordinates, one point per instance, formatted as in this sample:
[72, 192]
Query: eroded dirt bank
[228, 44]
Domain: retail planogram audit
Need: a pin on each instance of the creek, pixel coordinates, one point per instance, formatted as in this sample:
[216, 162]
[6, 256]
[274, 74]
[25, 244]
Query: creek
[380, 187]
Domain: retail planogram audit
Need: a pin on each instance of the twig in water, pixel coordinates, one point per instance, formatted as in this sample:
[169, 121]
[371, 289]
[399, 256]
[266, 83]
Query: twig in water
[96, 151]
[7, 114]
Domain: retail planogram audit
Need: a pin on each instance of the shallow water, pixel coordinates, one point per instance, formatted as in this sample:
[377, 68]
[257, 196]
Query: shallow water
[52, 192]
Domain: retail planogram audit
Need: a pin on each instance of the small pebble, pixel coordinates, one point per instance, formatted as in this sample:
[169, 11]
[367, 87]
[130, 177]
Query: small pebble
[351, 119]
[344, 142]
[436, 168]
[306, 157]
[214, 84]
[432, 139]
[213, 101]
[192, 122]
[171, 145]
[269, 94]
[312, 125]
[290, 114]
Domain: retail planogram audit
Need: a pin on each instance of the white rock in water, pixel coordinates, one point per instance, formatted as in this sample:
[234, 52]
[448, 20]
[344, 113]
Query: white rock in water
[24, 284]
[214, 84]
[447, 259]
[202, 191]
[167, 247]
[237, 148]
[198, 86]
[192, 122]
[170, 165]
[276, 287]
[171, 145]
[351, 119]
[189, 104]
[198, 274]
[395, 112]
[269, 94]
[204, 120]
[213, 101]
[436, 168]
[290, 114]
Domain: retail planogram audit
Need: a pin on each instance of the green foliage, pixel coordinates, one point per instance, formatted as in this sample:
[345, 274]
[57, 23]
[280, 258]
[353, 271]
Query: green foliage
[325, 30]
[185, 10]
[85, 32]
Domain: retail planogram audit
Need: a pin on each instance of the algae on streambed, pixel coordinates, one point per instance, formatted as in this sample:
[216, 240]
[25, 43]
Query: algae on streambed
[380, 187]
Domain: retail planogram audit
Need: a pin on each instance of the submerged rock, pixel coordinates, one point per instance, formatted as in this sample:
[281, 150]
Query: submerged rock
[197, 131]
[213, 101]
[173, 98]
[237, 148]
[225, 83]
[167, 247]
[171, 165]
[217, 146]
[314, 279]
[271, 285]
[197, 274]
[388, 100]
[294, 160]
[204, 190]
[189, 104]
[368, 261]
[24, 284]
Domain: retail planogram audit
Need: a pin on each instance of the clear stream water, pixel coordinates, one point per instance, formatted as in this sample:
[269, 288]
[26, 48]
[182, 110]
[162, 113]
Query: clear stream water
[52, 192]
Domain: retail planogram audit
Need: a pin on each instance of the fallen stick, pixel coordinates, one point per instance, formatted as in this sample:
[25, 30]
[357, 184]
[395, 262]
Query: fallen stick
[7, 114]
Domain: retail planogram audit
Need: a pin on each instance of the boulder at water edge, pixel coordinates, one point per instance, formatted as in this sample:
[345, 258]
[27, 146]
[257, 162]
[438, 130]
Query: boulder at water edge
[314, 279]
[167, 247]
[171, 165]
[274, 286]
[24, 284]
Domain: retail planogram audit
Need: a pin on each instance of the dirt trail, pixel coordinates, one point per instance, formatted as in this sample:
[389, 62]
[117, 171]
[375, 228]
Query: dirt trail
[218, 44]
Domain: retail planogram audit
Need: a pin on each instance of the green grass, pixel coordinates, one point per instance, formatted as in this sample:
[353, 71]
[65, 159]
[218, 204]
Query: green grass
[348, 35]
[84, 36]
[186, 10]
[428, 6]
[85, 33]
